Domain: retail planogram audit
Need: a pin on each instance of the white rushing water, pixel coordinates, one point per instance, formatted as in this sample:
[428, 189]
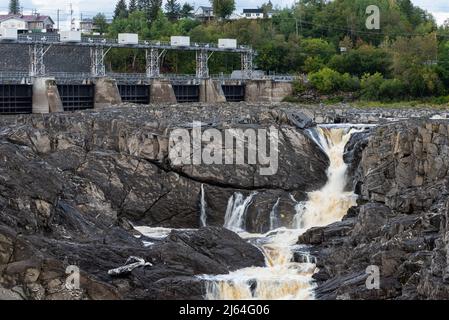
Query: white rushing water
[274, 223]
[282, 278]
[236, 211]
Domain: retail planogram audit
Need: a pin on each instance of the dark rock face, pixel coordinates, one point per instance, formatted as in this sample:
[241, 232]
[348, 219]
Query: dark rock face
[400, 224]
[72, 184]
[124, 157]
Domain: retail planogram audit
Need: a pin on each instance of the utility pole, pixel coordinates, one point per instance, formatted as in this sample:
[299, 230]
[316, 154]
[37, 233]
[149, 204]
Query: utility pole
[58, 19]
[72, 22]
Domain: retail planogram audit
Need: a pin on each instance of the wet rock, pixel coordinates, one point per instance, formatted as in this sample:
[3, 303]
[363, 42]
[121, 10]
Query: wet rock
[121, 155]
[399, 225]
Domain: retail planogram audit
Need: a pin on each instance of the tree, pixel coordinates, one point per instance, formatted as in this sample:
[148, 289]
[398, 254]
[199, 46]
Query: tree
[14, 7]
[153, 10]
[142, 5]
[186, 11]
[132, 6]
[121, 10]
[267, 8]
[173, 9]
[223, 8]
[100, 23]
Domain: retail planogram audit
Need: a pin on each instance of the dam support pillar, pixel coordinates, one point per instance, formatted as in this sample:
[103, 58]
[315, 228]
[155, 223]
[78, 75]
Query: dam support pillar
[106, 93]
[161, 91]
[46, 97]
[211, 91]
[267, 91]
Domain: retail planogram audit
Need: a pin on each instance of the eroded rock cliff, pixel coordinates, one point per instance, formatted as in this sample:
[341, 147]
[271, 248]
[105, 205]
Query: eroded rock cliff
[400, 171]
[72, 184]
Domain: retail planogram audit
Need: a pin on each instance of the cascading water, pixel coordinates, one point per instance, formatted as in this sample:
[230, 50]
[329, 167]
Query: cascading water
[236, 211]
[282, 278]
[274, 215]
[203, 216]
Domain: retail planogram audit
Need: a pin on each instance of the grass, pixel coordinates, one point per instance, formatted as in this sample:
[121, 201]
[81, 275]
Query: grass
[431, 103]
[437, 103]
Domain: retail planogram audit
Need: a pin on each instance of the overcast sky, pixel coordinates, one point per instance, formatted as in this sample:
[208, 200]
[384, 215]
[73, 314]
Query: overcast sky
[440, 8]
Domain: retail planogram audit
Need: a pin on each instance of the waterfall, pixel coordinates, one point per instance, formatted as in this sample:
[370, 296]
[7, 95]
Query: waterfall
[235, 218]
[274, 215]
[203, 216]
[282, 278]
[330, 203]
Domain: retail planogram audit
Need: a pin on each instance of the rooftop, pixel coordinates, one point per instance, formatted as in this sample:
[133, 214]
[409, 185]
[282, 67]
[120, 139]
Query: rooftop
[27, 18]
[252, 10]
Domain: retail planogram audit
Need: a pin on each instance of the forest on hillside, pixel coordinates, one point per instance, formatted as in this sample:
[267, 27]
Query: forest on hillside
[408, 57]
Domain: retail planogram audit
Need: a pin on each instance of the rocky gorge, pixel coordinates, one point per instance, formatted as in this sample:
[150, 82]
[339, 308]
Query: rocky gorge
[76, 189]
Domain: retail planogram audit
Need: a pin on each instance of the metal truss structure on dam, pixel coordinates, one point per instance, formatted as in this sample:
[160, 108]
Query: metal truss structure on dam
[39, 44]
[44, 90]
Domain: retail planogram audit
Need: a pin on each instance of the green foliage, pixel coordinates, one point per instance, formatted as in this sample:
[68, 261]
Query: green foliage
[365, 59]
[121, 10]
[100, 22]
[370, 85]
[392, 89]
[186, 10]
[136, 22]
[313, 64]
[14, 7]
[132, 6]
[317, 48]
[349, 83]
[330, 81]
[223, 8]
[443, 62]
[304, 38]
[299, 87]
[173, 9]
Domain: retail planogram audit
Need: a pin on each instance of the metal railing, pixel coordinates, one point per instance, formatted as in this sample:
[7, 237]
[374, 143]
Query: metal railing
[55, 39]
[67, 77]
[14, 77]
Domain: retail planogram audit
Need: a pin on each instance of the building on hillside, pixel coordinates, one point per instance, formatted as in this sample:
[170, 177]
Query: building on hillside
[204, 13]
[256, 14]
[26, 23]
[87, 26]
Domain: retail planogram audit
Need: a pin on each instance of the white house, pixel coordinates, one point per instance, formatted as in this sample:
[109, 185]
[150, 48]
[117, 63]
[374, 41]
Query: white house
[253, 13]
[204, 13]
[13, 22]
[26, 22]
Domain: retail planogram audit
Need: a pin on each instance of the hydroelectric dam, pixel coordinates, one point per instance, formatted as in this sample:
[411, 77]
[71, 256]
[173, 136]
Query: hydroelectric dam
[44, 73]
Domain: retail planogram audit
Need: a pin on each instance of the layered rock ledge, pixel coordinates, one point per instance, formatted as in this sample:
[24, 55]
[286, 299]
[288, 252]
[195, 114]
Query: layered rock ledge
[73, 184]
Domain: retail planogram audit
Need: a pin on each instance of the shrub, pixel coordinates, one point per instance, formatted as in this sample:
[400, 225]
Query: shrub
[313, 64]
[365, 59]
[370, 86]
[349, 83]
[391, 89]
[326, 80]
[329, 81]
[299, 87]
